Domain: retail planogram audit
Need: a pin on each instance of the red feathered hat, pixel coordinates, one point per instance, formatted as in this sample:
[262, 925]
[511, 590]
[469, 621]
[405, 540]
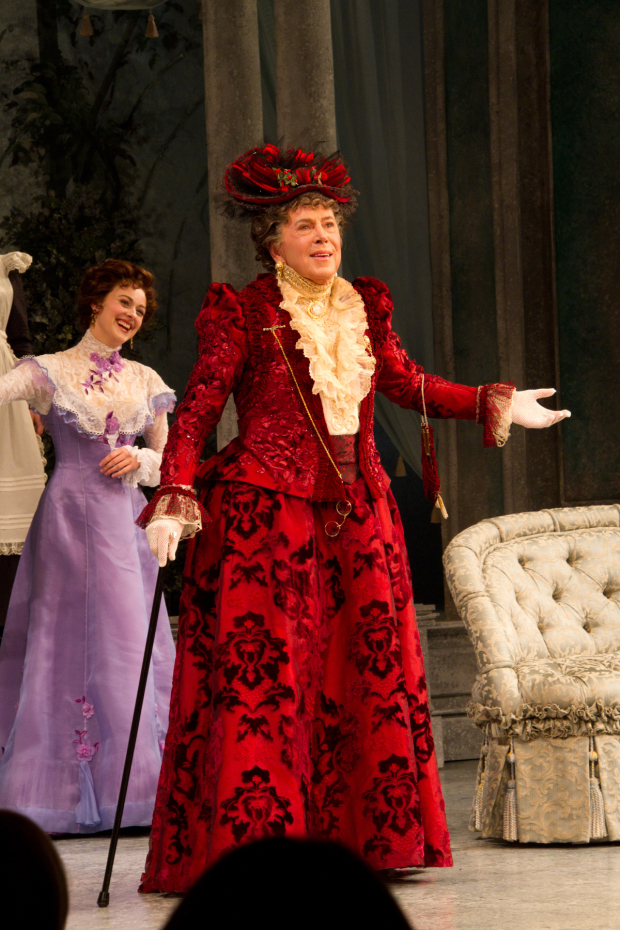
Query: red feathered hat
[268, 175]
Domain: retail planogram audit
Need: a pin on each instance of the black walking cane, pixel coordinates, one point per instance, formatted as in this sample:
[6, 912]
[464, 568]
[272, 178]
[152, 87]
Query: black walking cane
[104, 895]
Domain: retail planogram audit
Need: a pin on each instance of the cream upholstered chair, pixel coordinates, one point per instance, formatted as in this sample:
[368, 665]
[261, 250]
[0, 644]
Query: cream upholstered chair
[540, 596]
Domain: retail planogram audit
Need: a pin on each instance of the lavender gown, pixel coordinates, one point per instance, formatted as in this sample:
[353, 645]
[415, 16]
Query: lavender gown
[72, 650]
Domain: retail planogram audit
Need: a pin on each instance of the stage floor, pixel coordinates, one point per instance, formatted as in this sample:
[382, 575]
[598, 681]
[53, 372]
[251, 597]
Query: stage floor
[492, 886]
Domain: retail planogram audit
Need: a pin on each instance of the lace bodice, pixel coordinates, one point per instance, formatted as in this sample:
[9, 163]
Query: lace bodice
[341, 363]
[106, 396]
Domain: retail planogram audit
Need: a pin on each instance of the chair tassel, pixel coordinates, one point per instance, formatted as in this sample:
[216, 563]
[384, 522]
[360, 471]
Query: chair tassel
[478, 803]
[480, 789]
[510, 801]
[430, 475]
[441, 507]
[86, 29]
[401, 471]
[151, 28]
[598, 828]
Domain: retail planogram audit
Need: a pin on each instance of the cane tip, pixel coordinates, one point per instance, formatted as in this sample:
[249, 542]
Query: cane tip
[104, 898]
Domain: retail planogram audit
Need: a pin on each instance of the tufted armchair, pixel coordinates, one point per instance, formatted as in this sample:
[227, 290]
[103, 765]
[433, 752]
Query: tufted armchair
[540, 596]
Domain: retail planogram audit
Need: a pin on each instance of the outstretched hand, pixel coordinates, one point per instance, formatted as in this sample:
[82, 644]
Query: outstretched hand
[163, 537]
[526, 411]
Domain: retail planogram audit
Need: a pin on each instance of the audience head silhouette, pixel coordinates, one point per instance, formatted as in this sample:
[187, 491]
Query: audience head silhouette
[286, 883]
[31, 874]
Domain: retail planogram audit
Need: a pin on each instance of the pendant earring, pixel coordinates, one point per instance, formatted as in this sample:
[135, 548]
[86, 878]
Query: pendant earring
[279, 269]
[131, 343]
[93, 318]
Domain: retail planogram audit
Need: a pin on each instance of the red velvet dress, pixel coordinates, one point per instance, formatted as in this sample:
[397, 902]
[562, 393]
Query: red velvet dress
[299, 703]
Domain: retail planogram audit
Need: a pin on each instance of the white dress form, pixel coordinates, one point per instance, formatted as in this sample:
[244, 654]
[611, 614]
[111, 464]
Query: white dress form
[22, 478]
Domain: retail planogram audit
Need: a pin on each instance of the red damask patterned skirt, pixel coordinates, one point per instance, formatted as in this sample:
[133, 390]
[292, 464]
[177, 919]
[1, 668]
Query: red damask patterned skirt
[299, 702]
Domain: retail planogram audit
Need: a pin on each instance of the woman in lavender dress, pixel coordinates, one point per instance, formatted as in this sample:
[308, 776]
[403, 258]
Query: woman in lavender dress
[76, 626]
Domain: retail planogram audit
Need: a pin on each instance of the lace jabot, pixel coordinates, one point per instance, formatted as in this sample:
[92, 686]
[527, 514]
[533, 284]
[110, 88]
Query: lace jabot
[341, 362]
[93, 386]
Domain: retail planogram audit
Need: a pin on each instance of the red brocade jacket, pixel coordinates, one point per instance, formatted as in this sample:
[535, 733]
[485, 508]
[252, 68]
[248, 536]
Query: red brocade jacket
[278, 447]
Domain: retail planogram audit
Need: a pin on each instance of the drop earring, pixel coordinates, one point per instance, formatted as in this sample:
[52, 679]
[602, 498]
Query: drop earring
[131, 343]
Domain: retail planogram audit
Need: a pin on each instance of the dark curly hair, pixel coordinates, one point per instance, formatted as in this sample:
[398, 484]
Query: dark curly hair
[101, 279]
[267, 224]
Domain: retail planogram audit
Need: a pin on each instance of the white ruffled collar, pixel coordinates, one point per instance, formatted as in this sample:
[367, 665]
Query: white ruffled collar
[336, 346]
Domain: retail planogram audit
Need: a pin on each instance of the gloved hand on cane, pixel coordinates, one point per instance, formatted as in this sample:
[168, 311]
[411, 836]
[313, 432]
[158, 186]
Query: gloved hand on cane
[163, 536]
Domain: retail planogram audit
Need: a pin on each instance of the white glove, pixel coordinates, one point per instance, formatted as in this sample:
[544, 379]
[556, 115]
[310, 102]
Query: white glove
[528, 412]
[163, 537]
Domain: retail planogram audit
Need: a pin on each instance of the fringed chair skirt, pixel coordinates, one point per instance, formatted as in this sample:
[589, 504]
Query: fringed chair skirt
[562, 790]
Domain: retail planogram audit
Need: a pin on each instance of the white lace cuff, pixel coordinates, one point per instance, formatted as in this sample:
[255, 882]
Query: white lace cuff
[176, 507]
[190, 527]
[148, 471]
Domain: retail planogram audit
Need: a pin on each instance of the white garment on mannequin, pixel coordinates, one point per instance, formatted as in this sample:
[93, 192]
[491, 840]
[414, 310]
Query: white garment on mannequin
[22, 478]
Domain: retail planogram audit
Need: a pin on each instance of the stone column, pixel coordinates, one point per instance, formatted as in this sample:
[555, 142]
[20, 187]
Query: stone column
[305, 74]
[504, 130]
[439, 227]
[538, 244]
[523, 229]
[234, 124]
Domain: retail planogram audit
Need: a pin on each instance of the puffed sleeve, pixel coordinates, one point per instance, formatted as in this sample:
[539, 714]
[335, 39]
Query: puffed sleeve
[29, 382]
[223, 352]
[400, 379]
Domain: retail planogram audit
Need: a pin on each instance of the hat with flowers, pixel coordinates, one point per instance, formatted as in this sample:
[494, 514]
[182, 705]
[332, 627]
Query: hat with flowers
[269, 175]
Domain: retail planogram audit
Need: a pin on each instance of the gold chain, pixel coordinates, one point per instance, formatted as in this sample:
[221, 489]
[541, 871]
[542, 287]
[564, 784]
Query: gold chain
[277, 339]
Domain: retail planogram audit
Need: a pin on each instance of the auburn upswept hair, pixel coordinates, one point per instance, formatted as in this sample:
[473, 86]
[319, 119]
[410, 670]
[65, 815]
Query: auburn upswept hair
[101, 279]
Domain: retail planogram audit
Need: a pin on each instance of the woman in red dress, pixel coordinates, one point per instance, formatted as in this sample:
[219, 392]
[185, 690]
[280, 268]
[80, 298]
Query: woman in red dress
[299, 702]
